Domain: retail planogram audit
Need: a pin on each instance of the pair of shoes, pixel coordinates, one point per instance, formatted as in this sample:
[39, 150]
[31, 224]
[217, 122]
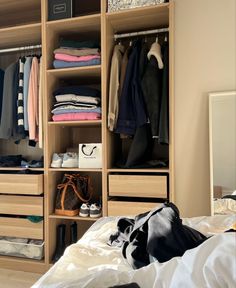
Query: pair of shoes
[61, 236]
[65, 160]
[94, 210]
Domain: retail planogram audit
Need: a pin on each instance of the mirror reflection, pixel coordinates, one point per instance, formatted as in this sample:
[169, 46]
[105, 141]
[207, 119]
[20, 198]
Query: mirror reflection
[222, 119]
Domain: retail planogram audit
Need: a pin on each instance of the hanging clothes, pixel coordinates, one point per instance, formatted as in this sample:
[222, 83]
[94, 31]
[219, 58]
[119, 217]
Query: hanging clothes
[33, 100]
[20, 99]
[152, 89]
[1, 90]
[114, 86]
[132, 112]
[6, 126]
[27, 69]
[40, 104]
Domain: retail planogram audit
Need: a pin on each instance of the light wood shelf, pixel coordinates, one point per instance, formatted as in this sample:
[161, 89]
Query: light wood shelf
[88, 71]
[139, 18]
[74, 170]
[20, 169]
[77, 24]
[20, 35]
[155, 170]
[54, 216]
[87, 123]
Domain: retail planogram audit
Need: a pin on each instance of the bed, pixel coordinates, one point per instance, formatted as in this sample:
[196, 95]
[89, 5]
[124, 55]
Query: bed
[92, 263]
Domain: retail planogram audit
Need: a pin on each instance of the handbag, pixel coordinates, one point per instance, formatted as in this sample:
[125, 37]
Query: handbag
[90, 155]
[71, 193]
[114, 5]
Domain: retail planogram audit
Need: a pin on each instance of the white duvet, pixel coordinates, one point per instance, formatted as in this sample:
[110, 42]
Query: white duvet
[92, 263]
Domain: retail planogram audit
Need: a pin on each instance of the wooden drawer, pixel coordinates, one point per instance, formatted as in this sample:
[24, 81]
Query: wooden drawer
[125, 208]
[23, 228]
[24, 184]
[21, 205]
[138, 186]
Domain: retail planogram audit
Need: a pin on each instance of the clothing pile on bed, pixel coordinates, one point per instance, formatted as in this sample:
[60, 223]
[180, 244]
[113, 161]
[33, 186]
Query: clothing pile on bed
[77, 54]
[75, 103]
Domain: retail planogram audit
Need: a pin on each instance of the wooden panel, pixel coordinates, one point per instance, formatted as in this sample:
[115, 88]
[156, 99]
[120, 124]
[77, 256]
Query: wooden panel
[138, 186]
[21, 205]
[23, 228]
[78, 24]
[15, 12]
[87, 71]
[20, 36]
[21, 264]
[88, 123]
[21, 184]
[122, 208]
[140, 18]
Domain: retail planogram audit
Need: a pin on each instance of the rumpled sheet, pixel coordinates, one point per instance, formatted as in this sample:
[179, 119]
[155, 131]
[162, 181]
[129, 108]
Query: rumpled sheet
[91, 263]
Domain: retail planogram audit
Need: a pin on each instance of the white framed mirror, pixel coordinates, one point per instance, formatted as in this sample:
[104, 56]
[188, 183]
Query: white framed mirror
[222, 139]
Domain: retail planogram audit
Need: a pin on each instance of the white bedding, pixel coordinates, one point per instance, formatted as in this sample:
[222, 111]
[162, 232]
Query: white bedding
[92, 263]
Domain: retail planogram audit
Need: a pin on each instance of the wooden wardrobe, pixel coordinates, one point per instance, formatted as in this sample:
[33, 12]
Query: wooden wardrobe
[123, 191]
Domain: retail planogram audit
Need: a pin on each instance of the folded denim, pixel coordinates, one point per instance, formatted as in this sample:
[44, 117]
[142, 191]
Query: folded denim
[65, 111]
[10, 160]
[57, 64]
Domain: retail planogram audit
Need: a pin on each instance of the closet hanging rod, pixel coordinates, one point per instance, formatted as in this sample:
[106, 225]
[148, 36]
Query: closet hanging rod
[131, 34]
[23, 48]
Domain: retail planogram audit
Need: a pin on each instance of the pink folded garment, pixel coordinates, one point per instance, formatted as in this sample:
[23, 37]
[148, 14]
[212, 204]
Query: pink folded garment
[69, 58]
[76, 116]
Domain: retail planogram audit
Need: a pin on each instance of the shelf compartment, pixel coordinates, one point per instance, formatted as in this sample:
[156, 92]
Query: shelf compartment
[74, 170]
[88, 71]
[20, 36]
[77, 123]
[24, 184]
[139, 18]
[138, 186]
[21, 205]
[19, 227]
[75, 218]
[18, 12]
[76, 24]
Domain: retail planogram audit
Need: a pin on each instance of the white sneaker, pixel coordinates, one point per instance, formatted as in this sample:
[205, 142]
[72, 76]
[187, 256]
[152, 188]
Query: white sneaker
[70, 160]
[95, 211]
[57, 160]
[84, 210]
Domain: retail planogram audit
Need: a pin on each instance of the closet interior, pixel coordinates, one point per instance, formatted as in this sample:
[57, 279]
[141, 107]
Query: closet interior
[120, 190]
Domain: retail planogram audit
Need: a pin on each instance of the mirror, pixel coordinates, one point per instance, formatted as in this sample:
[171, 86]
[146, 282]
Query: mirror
[222, 132]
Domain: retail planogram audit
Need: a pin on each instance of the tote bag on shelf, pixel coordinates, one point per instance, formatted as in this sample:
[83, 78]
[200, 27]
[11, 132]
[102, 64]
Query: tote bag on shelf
[90, 155]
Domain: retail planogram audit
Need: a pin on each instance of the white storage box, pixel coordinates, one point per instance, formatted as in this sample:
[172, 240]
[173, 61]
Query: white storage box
[33, 249]
[90, 155]
[114, 5]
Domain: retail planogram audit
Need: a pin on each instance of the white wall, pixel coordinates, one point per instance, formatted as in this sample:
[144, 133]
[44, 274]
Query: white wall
[205, 61]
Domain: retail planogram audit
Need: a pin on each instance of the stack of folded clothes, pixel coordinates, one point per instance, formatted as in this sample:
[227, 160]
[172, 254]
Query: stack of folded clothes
[75, 103]
[77, 54]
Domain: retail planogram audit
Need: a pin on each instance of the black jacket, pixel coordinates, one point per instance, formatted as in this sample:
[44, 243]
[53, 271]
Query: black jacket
[157, 234]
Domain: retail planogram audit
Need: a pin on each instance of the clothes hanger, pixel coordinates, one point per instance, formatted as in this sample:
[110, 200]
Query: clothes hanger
[156, 52]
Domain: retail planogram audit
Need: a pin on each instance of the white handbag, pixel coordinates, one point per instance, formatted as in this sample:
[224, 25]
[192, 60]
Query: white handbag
[114, 5]
[90, 155]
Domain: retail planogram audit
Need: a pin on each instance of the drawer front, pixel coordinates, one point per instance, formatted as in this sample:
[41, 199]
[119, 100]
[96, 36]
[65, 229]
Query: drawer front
[138, 186]
[21, 184]
[23, 228]
[21, 205]
[123, 208]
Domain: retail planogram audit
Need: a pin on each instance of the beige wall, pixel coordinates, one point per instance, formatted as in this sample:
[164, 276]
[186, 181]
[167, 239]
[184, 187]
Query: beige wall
[205, 61]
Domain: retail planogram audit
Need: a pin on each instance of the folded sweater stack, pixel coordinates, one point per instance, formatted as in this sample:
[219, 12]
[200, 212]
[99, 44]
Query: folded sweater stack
[77, 54]
[76, 103]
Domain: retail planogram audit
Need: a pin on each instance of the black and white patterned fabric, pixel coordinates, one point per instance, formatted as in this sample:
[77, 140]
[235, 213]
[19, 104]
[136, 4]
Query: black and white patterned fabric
[20, 104]
[116, 5]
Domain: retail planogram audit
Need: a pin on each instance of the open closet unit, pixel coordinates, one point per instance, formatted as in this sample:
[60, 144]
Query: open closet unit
[120, 190]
